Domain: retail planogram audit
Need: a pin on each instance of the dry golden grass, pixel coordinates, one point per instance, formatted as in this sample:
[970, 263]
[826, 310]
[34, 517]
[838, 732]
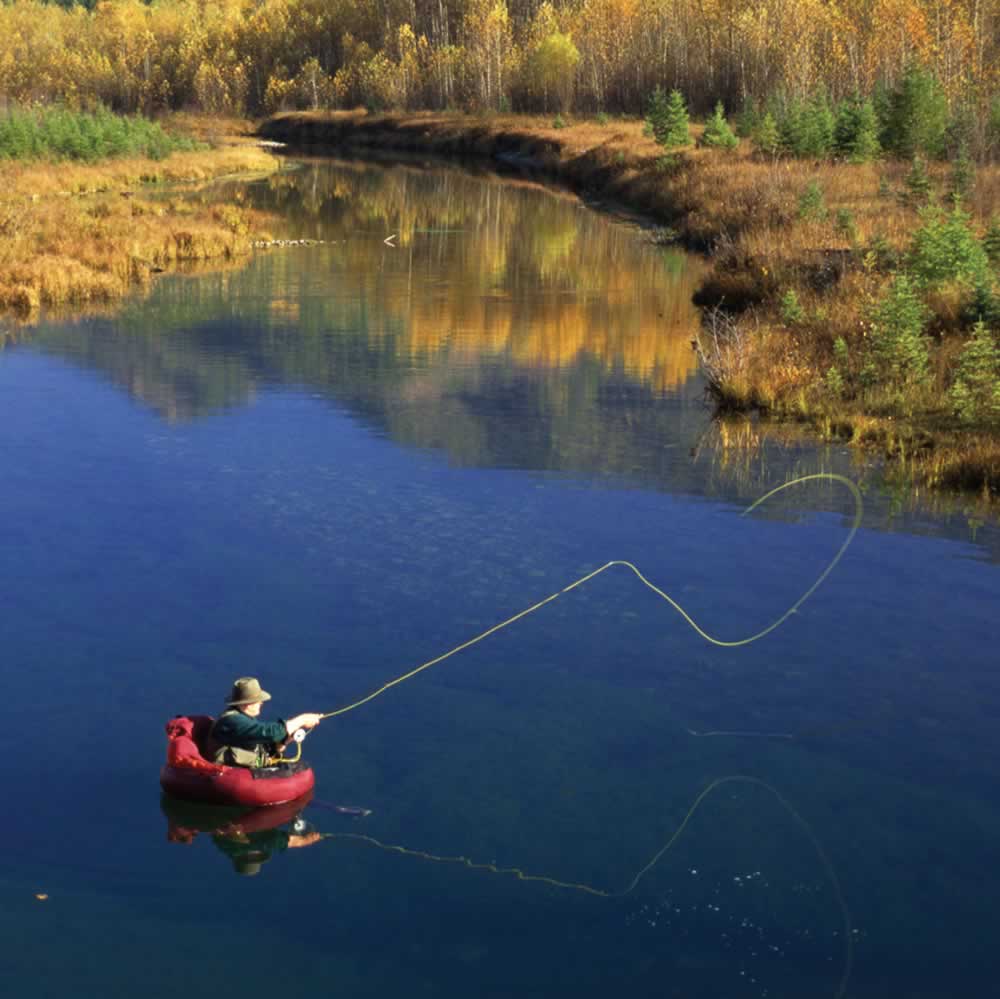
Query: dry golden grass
[74, 234]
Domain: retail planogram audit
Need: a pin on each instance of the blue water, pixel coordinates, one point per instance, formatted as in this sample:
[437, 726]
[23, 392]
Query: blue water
[341, 460]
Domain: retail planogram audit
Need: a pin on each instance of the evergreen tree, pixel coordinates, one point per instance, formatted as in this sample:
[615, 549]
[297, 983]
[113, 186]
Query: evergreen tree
[945, 248]
[917, 115]
[673, 126]
[807, 127]
[975, 393]
[812, 206]
[748, 120]
[899, 352]
[656, 114]
[855, 133]
[991, 241]
[918, 181]
[717, 132]
[767, 137]
[963, 174]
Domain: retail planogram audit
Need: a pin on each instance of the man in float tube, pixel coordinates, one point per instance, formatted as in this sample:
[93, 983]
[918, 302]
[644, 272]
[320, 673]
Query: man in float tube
[243, 740]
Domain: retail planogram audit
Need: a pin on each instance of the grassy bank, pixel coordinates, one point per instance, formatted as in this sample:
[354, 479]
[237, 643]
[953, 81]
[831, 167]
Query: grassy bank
[841, 295]
[79, 224]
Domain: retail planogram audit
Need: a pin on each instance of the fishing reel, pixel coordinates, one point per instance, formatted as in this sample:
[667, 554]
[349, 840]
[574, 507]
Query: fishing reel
[298, 737]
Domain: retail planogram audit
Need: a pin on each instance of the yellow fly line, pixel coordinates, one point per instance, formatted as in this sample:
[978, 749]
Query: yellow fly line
[588, 889]
[827, 476]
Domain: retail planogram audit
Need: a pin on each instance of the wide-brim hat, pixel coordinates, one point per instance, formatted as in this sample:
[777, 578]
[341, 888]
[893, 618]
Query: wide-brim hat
[250, 865]
[247, 690]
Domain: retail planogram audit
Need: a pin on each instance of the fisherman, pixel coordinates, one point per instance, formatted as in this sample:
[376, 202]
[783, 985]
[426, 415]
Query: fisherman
[241, 738]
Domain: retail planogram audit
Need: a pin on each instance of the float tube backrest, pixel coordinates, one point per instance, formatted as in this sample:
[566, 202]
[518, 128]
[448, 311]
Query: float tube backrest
[187, 738]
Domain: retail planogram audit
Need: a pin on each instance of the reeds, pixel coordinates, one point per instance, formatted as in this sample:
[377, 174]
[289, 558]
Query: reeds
[72, 234]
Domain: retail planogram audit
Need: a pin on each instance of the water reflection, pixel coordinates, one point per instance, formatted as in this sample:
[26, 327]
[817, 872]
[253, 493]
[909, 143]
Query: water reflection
[248, 838]
[508, 326]
[482, 270]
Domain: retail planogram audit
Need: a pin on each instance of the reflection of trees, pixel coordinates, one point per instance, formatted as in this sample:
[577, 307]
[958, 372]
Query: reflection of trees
[509, 328]
[486, 267]
[487, 275]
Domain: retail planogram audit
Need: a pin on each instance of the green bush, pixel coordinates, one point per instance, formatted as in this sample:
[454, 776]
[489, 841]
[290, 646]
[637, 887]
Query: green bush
[991, 240]
[846, 225]
[792, 312]
[812, 207]
[975, 393]
[898, 354]
[918, 181]
[983, 306]
[915, 115]
[945, 248]
[717, 132]
[603, 118]
[748, 120]
[56, 133]
[767, 136]
[668, 118]
[807, 127]
[963, 174]
[855, 132]
[559, 121]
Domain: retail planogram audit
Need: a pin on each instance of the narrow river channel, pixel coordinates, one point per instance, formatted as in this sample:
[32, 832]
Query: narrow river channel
[453, 396]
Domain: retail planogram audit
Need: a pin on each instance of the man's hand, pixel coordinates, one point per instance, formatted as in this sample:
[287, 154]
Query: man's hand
[307, 721]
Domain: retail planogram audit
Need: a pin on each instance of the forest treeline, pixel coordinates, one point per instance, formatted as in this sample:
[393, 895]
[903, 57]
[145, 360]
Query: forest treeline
[259, 56]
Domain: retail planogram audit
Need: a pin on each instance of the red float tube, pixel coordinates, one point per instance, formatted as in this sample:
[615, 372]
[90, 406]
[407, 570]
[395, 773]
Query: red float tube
[190, 775]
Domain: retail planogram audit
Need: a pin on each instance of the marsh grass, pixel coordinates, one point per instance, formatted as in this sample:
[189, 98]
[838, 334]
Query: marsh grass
[76, 233]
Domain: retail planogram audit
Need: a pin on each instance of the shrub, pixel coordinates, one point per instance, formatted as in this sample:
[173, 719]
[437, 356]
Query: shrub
[881, 254]
[748, 120]
[668, 118]
[898, 353]
[603, 118]
[767, 137]
[945, 248]
[792, 312]
[837, 373]
[975, 392]
[812, 207]
[963, 174]
[855, 132]
[717, 132]
[559, 121]
[983, 306]
[991, 240]
[916, 115]
[58, 134]
[846, 225]
[918, 181]
[807, 128]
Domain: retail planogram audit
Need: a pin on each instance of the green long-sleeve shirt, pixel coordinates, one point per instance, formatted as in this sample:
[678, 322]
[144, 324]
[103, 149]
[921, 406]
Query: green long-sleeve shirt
[237, 731]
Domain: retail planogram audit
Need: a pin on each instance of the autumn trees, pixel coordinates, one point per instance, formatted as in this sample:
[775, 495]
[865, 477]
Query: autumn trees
[942, 56]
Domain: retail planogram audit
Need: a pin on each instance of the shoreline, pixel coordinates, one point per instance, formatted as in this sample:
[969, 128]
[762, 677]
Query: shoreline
[82, 236]
[744, 215]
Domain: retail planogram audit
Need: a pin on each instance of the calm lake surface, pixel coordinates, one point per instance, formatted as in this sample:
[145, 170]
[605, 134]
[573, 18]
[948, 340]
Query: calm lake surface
[340, 460]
